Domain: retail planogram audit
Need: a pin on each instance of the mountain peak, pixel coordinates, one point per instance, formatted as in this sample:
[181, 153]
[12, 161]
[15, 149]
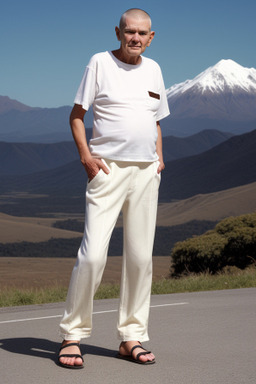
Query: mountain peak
[226, 91]
[227, 64]
[225, 76]
[7, 104]
[229, 68]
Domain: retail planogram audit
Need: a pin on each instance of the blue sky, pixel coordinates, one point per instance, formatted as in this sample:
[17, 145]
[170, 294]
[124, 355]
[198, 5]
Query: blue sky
[45, 45]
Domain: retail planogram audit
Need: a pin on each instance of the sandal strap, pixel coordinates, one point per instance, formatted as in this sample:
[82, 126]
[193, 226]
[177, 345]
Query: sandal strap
[140, 353]
[69, 345]
[136, 346]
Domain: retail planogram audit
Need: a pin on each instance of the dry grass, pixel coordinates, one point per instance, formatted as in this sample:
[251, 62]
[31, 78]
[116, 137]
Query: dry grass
[42, 280]
[230, 278]
[22, 272]
[227, 280]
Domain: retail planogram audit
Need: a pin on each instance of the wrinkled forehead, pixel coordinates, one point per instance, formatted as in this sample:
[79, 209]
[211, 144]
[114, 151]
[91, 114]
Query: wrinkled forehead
[137, 22]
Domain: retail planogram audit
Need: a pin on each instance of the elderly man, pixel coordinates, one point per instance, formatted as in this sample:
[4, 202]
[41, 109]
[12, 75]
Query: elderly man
[123, 162]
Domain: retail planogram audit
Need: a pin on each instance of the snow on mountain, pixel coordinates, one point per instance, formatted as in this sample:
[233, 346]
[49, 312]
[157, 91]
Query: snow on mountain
[225, 91]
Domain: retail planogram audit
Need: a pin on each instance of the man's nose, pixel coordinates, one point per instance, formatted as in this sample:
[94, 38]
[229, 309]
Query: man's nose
[136, 37]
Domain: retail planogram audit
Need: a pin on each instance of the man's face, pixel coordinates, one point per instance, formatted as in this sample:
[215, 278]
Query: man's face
[135, 36]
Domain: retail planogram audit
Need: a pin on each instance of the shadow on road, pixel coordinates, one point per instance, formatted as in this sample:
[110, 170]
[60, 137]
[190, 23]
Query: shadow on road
[47, 349]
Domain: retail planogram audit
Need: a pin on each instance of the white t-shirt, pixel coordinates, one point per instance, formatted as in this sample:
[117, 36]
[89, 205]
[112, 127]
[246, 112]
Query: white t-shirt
[127, 102]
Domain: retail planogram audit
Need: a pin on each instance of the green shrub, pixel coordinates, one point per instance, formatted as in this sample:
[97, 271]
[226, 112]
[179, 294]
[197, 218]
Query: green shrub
[232, 223]
[241, 247]
[200, 254]
[232, 242]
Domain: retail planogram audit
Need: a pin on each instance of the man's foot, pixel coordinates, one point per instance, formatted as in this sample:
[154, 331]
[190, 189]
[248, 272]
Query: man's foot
[70, 355]
[133, 351]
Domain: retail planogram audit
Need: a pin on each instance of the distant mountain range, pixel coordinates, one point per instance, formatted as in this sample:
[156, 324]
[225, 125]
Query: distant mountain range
[223, 98]
[180, 147]
[24, 158]
[229, 164]
[21, 123]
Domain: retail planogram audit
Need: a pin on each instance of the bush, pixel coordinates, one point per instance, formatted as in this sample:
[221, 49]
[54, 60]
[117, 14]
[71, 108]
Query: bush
[233, 223]
[241, 247]
[200, 254]
[232, 242]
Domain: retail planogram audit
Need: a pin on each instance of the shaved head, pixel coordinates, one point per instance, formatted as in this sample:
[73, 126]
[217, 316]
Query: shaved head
[135, 13]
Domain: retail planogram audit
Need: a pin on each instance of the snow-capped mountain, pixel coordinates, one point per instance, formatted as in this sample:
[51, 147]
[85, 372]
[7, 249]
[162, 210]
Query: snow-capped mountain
[226, 92]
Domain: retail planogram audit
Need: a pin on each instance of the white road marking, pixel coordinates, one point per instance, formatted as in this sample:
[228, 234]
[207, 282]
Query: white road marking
[167, 305]
[94, 313]
[29, 319]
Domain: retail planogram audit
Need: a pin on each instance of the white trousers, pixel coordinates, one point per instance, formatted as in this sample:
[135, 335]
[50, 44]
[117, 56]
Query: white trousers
[133, 189]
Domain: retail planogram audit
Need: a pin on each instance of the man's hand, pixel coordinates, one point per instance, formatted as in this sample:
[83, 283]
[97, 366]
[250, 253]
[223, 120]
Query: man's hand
[92, 167]
[161, 166]
[159, 148]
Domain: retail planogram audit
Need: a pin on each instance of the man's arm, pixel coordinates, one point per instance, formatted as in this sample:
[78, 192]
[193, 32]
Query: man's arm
[91, 165]
[159, 148]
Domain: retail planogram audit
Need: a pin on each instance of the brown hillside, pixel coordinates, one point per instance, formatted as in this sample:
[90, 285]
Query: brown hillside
[213, 207]
[32, 229]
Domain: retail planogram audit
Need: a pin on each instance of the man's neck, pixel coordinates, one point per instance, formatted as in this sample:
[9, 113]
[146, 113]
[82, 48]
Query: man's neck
[133, 60]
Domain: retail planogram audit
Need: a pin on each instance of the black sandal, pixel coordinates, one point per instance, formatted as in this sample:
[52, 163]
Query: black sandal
[70, 355]
[136, 358]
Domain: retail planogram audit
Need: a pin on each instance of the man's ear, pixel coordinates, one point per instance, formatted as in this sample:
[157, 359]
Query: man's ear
[117, 33]
[151, 37]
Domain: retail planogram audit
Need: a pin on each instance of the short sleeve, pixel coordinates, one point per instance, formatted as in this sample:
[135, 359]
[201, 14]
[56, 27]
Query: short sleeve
[87, 89]
[163, 110]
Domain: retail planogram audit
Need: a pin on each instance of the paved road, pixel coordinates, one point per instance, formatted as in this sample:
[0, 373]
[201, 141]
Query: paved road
[198, 338]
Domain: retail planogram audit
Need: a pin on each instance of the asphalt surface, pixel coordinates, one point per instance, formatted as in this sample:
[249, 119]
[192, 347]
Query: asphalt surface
[206, 337]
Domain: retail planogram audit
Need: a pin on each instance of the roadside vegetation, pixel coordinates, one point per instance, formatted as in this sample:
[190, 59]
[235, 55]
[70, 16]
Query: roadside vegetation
[231, 243]
[229, 278]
